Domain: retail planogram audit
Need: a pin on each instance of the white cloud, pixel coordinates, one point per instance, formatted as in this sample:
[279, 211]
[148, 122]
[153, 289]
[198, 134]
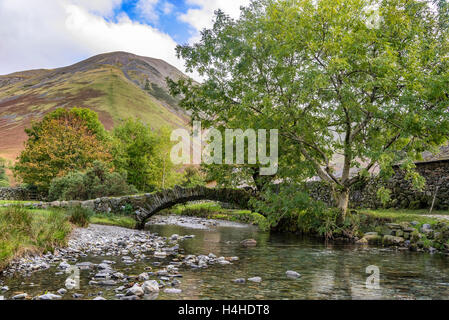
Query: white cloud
[147, 10]
[49, 34]
[167, 7]
[103, 7]
[98, 35]
[202, 17]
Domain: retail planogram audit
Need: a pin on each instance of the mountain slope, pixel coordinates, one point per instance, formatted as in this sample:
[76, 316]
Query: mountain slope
[117, 85]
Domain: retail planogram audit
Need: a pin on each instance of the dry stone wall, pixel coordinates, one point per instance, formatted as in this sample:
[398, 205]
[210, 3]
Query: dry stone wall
[403, 196]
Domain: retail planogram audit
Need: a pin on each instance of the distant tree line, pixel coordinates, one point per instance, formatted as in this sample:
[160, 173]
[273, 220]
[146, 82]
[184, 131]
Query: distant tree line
[70, 155]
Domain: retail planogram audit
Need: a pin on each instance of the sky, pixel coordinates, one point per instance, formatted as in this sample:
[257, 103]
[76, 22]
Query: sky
[55, 33]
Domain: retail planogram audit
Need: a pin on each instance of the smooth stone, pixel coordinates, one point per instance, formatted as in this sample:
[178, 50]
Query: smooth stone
[144, 276]
[85, 265]
[426, 226]
[49, 296]
[240, 280]
[107, 283]
[62, 291]
[5, 288]
[255, 279]
[292, 274]
[102, 275]
[129, 298]
[135, 291]
[160, 254]
[64, 265]
[21, 296]
[172, 291]
[104, 266]
[150, 286]
[99, 298]
[249, 243]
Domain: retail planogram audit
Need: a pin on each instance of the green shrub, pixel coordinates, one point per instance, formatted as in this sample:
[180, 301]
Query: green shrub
[79, 216]
[193, 177]
[96, 182]
[289, 209]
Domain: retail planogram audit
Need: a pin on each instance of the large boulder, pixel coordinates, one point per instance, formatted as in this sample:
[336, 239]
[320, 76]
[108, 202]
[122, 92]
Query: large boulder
[389, 240]
[371, 238]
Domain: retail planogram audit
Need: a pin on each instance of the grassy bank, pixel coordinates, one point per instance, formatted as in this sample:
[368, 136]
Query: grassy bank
[23, 231]
[15, 202]
[34, 231]
[400, 215]
[212, 210]
[113, 220]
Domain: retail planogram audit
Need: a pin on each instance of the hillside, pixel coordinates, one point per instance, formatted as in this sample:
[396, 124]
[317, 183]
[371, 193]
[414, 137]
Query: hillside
[117, 85]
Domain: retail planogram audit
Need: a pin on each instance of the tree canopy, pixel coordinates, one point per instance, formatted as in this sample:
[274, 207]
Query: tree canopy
[62, 142]
[359, 82]
[144, 155]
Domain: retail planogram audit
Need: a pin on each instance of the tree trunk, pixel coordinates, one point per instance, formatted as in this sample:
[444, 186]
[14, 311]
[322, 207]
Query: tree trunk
[341, 198]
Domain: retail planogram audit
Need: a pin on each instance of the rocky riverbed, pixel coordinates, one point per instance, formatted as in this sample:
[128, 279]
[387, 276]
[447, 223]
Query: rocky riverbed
[163, 257]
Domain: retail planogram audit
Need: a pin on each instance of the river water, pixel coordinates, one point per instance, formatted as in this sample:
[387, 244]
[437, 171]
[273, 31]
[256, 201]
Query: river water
[327, 271]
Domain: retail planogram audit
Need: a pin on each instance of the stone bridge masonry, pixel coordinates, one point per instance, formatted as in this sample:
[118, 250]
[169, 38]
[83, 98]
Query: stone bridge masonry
[146, 205]
[155, 202]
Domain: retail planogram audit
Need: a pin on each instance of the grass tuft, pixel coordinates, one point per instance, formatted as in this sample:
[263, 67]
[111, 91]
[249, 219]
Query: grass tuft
[31, 232]
[79, 216]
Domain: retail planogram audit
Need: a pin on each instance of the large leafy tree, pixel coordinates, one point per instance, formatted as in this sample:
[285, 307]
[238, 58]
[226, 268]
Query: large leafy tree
[63, 141]
[364, 82]
[87, 116]
[144, 155]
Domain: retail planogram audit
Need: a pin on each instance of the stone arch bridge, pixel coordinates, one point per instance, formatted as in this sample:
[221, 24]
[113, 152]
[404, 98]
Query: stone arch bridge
[145, 206]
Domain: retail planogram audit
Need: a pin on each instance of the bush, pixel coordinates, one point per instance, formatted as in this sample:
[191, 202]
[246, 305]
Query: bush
[79, 216]
[96, 182]
[291, 210]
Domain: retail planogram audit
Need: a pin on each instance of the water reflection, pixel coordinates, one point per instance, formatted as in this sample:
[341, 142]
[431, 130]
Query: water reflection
[328, 271]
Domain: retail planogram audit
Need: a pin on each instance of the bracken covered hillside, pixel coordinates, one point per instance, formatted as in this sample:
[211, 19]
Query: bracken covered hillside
[117, 85]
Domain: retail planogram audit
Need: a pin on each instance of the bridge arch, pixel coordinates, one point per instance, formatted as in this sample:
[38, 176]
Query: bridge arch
[155, 202]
